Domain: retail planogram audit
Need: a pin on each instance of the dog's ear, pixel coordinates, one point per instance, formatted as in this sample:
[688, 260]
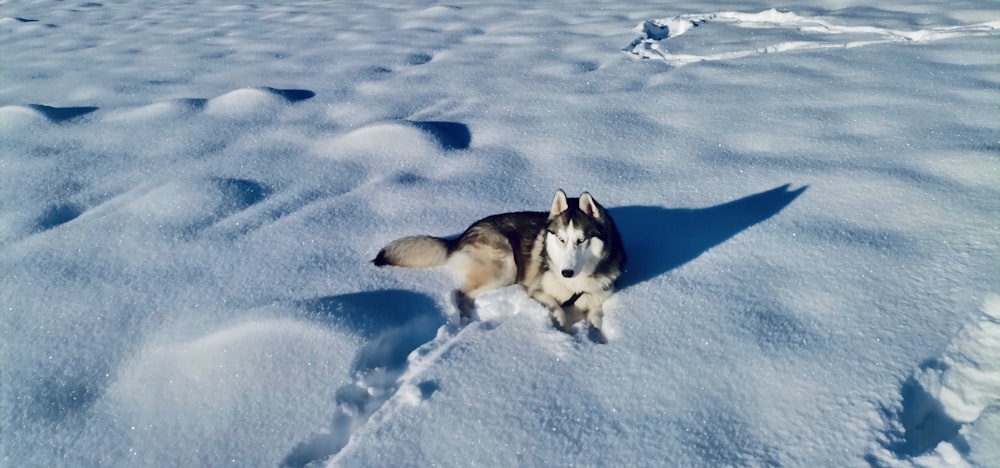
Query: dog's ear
[559, 204]
[588, 206]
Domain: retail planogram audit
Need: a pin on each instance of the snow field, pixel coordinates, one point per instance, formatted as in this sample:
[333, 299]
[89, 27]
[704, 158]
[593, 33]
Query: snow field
[190, 193]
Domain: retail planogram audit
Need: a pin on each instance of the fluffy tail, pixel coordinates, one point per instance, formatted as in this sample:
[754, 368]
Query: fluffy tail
[414, 252]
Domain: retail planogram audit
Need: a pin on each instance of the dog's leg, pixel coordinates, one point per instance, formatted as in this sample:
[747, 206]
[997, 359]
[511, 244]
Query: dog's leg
[482, 267]
[556, 310]
[596, 332]
[564, 316]
[595, 317]
[588, 308]
[591, 307]
[464, 304]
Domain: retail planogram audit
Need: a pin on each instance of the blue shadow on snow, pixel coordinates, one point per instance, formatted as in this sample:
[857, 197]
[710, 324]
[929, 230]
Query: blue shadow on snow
[450, 135]
[62, 114]
[658, 239]
[394, 322]
[292, 95]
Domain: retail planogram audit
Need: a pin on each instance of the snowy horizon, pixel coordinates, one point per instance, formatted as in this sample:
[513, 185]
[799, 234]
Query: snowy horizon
[191, 194]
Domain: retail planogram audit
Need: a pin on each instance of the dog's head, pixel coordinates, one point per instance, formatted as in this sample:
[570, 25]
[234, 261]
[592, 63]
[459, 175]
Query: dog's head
[576, 235]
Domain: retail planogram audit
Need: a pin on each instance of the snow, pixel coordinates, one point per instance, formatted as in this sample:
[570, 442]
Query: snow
[808, 33]
[191, 192]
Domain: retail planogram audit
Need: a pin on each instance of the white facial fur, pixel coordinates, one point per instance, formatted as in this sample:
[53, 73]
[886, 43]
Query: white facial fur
[569, 249]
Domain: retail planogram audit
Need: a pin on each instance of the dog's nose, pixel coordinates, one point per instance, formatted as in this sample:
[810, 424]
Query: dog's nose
[567, 273]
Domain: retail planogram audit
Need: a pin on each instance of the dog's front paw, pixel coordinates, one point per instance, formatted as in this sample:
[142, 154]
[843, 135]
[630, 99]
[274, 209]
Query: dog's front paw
[596, 318]
[559, 319]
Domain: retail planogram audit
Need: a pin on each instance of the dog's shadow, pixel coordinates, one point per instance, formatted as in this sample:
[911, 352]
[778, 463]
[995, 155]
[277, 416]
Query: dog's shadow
[658, 239]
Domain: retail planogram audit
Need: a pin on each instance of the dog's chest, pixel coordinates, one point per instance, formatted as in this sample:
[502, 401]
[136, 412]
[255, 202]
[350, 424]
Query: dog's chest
[562, 289]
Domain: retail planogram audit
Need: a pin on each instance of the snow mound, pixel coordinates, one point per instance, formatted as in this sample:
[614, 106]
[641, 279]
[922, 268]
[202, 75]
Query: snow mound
[404, 143]
[224, 375]
[771, 32]
[254, 103]
[15, 116]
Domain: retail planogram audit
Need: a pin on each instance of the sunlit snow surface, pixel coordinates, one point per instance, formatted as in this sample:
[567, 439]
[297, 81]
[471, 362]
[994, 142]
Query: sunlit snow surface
[190, 193]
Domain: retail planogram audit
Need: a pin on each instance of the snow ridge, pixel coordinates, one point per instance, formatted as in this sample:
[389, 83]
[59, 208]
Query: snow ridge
[817, 32]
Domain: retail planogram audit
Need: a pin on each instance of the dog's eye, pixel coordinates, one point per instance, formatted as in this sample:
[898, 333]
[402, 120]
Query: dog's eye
[579, 241]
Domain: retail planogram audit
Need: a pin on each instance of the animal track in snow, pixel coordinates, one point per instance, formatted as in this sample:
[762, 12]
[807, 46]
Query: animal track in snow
[418, 59]
[405, 336]
[771, 29]
[56, 215]
[946, 393]
[394, 323]
[242, 193]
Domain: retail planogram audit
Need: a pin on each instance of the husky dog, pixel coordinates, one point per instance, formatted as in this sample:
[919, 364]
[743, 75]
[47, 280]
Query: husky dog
[567, 259]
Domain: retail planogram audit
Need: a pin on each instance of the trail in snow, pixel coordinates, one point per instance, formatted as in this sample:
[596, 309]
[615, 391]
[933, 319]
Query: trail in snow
[390, 380]
[411, 386]
[817, 32]
[379, 380]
